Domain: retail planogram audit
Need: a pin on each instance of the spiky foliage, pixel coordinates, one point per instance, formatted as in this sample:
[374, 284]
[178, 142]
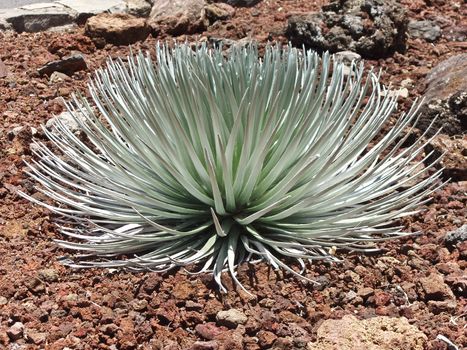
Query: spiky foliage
[199, 158]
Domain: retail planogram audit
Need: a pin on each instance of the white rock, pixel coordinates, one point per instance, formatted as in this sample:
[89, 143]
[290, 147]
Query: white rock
[231, 318]
[347, 56]
[67, 119]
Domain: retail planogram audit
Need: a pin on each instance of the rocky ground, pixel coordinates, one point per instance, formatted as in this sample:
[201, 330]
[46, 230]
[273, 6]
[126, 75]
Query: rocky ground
[411, 295]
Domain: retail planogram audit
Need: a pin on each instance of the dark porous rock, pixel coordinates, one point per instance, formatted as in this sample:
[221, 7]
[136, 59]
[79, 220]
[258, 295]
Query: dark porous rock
[67, 65]
[241, 3]
[453, 150]
[452, 238]
[177, 17]
[427, 30]
[446, 97]
[116, 28]
[371, 28]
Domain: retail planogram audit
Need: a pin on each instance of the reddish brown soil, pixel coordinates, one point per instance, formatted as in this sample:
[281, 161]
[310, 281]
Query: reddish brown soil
[102, 309]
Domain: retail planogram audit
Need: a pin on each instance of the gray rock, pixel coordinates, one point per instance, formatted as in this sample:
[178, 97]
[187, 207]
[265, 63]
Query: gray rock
[85, 8]
[177, 17]
[456, 32]
[116, 28]
[38, 17]
[347, 56]
[446, 97]
[427, 30]
[67, 119]
[339, 27]
[67, 65]
[452, 238]
[138, 8]
[231, 318]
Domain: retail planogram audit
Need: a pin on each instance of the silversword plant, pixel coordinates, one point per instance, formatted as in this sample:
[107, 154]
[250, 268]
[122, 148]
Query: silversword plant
[204, 159]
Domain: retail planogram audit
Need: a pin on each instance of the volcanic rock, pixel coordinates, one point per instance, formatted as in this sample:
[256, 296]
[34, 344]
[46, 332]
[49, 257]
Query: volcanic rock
[378, 333]
[117, 28]
[372, 28]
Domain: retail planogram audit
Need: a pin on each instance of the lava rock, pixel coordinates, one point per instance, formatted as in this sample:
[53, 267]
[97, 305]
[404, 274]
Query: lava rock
[67, 65]
[242, 3]
[208, 330]
[205, 345]
[452, 238]
[454, 152]
[57, 77]
[385, 333]
[347, 56]
[456, 33]
[38, 17]
[177, 17]
[446, 97]
[427, 30]
[85, 8]
[3, 70]
[372, 28]
[67, 119]
[36, 337]
[49, 275]
[231, 318]
[218, 12]
[15, 332]
[434, 287]
[116, 28]
[266, 338]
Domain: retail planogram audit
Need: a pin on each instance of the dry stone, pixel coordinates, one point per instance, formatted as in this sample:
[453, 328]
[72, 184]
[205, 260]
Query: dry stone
[231, 318]
[177, 17]
[85, 8]
[117, 28]
[378, 333]
[455, 156]
[215, 12]
[37, 17]
[427, 30]
[67, 65]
